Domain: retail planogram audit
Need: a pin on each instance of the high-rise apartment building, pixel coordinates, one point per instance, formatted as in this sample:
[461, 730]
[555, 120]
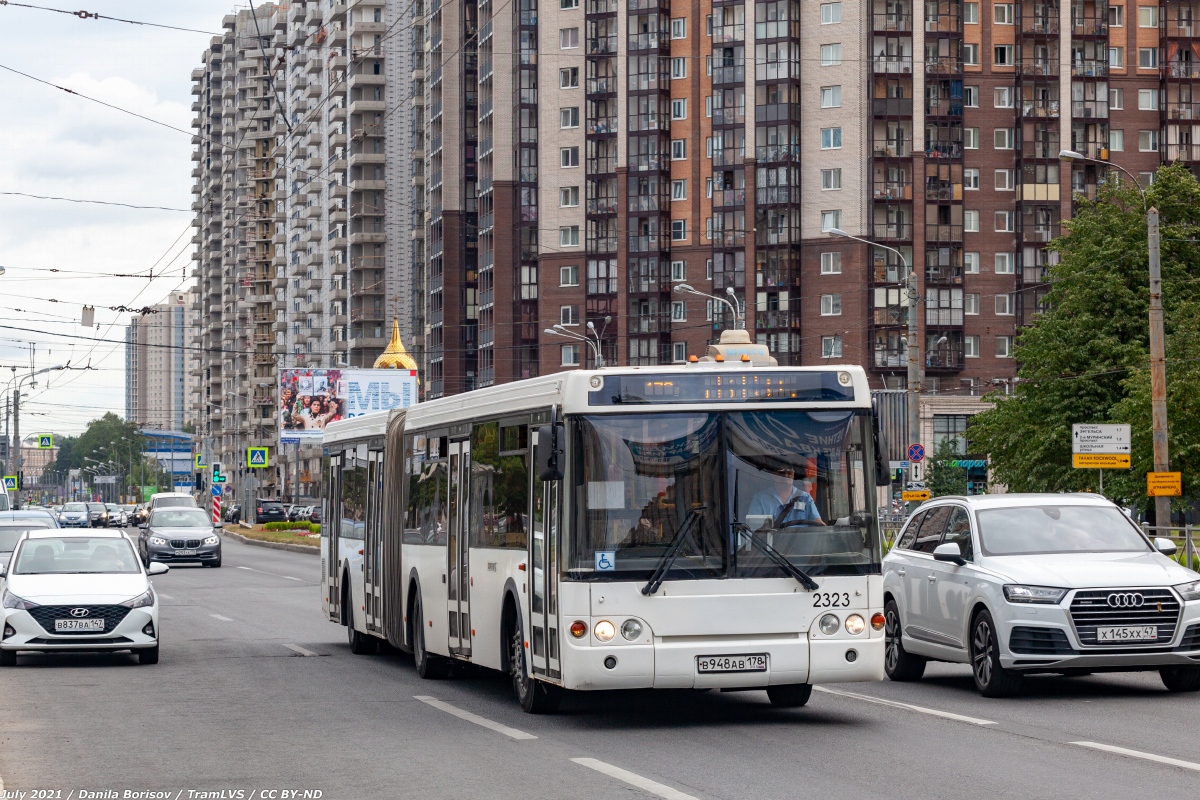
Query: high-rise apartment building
[161, 364]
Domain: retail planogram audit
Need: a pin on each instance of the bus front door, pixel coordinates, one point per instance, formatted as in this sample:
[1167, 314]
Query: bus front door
[457, 578]
[331, 524]
[543, 581]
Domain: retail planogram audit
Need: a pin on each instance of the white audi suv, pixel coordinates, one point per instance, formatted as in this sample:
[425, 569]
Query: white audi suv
[1020, 583]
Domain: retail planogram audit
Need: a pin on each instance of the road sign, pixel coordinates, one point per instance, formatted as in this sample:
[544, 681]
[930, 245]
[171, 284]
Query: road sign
[216, 491]
[1105, 439]
[916, 452]
[256, 457]
[1100, 461]
[45, 441]
[909, 497]
[10, 483]
[200, 461]
[1164, 484]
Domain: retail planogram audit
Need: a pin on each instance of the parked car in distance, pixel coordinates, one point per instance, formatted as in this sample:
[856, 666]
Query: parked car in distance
[74, 515]
[180, 534]
[296, 513]
[234, 513]
[1014, 584]
[97, 515]
[171, 500]
[270, 511]
[15, 523]
[117, 518]
[315, 515]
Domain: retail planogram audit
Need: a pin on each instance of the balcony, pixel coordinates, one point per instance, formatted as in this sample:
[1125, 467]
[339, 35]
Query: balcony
[893, 65]
[901, 231]
[1042, 109]
[898, 107]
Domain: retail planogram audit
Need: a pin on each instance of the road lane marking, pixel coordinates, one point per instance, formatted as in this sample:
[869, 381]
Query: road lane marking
[290, 578]
[511, 733]
[273, 574]
[1174, 762]
[297, 648]
[906, 706]
[218, 616]
[633, 779]
[162, 596]
[247, 568]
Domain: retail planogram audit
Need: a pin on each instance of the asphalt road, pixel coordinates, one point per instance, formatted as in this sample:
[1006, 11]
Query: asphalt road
[255, 691]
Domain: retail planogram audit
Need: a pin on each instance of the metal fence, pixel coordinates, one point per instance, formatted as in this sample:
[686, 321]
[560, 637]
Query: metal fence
[1183, 537]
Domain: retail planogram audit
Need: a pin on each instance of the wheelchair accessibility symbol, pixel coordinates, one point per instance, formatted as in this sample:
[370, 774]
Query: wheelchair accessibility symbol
[606, 561]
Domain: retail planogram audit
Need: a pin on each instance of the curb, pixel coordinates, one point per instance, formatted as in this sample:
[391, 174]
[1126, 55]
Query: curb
[291, 548]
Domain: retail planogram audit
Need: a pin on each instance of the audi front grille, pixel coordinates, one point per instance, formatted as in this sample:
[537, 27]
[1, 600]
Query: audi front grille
[45, 616]
[1096, 608]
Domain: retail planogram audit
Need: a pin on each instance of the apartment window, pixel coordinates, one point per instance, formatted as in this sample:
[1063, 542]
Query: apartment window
[1116, 16]
[568, 276]
[708, 107]
[679, 28]
[970, 138]
[1004, 222]
[831, 347]
[971, 346]
[1148, 98]
[679, 189]
[679, 108]
[1004, 346]
[971, 305]
[831, 178]
[971, 55]
[708, 188]
[678, 352]
[678, 311]
[1002, 13]
[1116, 57]
[568, 236]
[971, 263]
[1005, 263]
[1146, 178]
[971, 13]
[1147, 16]
[831, 220]
[831, 97]
[831, 138]
[831, 305]
[831, 263]
[568, 315]
[568, 117]
[1002, 55]
[567, 5]
[970, 179]
[971, 97]
[679, 69]
[1004, 305]
[1003, 138]
[568, 157]
[568, 78]
[970, 222]
[708, 25]
[1148, 141]
[1116, 141]
[679, 230]
[1002, 97]
[1116, 99]
[831, 55]
[568, 38]
[570, 355]
[678, 149]
[568, 197]
[831, 13]
[678, 271]
[1005, 180]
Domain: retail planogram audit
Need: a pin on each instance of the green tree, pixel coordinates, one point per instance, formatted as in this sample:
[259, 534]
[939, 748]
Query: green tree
[945, 479]
[1083, 356]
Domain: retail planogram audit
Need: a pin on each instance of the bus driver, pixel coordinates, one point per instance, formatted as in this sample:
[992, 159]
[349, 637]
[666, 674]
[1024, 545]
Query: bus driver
[785, 504]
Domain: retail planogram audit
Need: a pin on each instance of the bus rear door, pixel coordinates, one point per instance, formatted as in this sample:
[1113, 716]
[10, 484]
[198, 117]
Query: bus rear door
[458, 582]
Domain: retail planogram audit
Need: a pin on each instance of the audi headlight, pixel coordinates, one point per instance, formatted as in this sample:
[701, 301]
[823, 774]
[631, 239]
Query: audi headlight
[212, 540]
[829, 624]
[12, 601]
[141, 601]
[1189, 591]
[1014, 593]
[158, 541]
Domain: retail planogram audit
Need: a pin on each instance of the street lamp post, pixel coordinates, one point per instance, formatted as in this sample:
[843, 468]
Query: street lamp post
[739, 314]
[914, 345]
[1158, 348]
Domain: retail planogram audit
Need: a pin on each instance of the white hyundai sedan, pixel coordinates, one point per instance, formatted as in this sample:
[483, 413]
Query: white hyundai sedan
[1020, 583]
[78, 591]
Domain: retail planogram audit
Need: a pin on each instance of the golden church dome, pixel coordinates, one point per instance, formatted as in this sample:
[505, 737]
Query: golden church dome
[395, 356]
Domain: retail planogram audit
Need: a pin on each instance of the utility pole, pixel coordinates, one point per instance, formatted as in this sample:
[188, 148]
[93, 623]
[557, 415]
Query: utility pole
[17, 439]
[1158, 371]
[914, 365]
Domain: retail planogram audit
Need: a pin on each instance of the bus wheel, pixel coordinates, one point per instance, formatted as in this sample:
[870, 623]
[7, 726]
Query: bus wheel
[535, 697]
[360, 643]
[429, 666]
[792, 695]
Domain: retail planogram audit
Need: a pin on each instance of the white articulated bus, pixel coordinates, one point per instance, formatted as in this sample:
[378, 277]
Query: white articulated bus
[711, 525]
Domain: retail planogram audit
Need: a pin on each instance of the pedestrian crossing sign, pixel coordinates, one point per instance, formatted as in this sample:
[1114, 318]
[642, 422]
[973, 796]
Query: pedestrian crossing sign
[200, 461]
[256, 457]
[10, 483]
[45, 441]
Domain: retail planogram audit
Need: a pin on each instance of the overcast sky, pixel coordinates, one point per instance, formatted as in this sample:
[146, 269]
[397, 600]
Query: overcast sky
[52, 143]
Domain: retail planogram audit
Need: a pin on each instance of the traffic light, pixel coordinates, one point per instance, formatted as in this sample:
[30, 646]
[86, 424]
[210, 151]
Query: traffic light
[218, 475]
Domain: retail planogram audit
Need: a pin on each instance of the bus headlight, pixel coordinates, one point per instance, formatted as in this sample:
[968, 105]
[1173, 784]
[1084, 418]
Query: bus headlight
[855, 624]
[829, 624]
[631, 629]
[604, 630]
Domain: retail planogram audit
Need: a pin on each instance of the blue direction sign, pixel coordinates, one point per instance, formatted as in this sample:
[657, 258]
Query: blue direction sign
[256, 457]
[916, 452]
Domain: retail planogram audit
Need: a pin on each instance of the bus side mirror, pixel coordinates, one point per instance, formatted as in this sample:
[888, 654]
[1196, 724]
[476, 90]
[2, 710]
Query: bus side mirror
[550, 455]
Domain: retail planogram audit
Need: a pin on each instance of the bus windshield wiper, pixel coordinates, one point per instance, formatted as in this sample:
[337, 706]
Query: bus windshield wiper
[660, 570]
[779, 558]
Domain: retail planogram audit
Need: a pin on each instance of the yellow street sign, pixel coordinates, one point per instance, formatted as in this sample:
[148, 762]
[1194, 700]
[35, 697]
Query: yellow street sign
[1164, 484]
[909, 497]
[1100, 460]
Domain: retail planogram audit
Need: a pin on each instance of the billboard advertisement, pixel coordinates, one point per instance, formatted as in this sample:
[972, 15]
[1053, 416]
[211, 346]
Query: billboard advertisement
[310, 399]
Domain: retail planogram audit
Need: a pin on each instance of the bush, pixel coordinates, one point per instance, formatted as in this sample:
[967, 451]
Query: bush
[311, 527]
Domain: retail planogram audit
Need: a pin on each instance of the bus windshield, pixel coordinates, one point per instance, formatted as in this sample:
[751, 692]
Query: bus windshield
[794, 482]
